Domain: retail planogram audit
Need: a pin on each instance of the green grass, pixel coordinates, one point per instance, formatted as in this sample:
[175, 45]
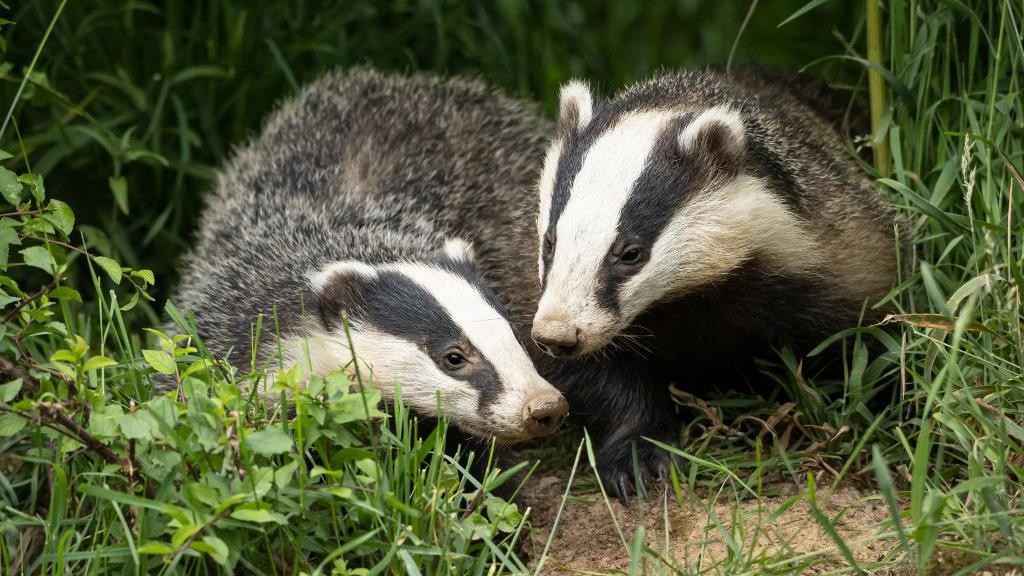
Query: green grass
[130, 107]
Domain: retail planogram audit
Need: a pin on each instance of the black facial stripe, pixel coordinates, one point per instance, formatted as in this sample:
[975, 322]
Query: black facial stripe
[766, 166]
[393, 303]
[664, 186]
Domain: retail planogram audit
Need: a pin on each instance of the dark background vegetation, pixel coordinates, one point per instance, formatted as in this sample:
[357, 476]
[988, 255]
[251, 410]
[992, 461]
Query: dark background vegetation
[158, 93]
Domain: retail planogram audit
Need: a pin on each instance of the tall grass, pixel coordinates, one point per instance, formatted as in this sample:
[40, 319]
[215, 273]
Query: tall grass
[131, 106]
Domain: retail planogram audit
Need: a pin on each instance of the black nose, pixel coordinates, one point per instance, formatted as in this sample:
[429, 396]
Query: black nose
[543, 413]
[558, 350]
[557, 338]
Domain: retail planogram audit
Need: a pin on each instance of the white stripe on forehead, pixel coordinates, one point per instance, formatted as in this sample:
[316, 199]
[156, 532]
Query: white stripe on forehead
[485, 327]
[589, 222]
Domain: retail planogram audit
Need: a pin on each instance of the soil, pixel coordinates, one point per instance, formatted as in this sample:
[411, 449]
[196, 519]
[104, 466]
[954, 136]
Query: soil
[587, 542]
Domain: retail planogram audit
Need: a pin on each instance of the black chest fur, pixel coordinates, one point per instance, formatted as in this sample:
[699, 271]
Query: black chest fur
[719, 329]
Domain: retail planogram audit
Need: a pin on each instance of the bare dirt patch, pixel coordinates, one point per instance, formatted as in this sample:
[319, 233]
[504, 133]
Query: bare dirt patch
[771, 528]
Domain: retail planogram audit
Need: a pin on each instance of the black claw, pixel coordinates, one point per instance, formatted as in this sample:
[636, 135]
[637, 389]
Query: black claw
[622, 491]
[629, 472]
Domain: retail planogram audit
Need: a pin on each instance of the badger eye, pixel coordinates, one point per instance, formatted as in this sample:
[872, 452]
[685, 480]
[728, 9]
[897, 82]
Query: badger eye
[454, 360]
[632, 255]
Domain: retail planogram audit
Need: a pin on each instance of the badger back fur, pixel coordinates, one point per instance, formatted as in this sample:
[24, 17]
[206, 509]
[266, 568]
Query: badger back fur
[333, 210]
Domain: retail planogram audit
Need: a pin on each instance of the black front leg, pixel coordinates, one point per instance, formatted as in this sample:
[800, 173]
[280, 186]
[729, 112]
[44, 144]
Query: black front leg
[621, 401]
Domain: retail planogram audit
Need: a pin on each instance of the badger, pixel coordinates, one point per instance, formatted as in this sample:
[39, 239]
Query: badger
[691, 222]
[327, 225]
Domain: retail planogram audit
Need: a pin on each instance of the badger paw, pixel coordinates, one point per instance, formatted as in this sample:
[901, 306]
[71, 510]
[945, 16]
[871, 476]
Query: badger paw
[621, 478]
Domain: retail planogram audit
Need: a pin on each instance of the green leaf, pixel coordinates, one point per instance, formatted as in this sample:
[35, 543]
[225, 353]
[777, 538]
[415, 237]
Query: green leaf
[160, 361]
[10, 390]
[6, 299]
[131, 303]
[198, 365]
[7, 237]
[35, 183]
[97, 362]
[153, 547]
[39, 257]
[110, 266]
[475, 526]
[10, 187]
[269, 442]
[258, 516]
[64, 355]
[11, 424]
[283, 475]
[66, 293]
[505, 516]
[146, 275]
[138, 425]
[61, 216]
[106, 422]
[353, 407]
[4, 155]
[218, 550]
[119, 187]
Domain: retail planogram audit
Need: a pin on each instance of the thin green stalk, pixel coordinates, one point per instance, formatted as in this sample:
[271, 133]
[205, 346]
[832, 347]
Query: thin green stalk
[31, 67]
[876, 88]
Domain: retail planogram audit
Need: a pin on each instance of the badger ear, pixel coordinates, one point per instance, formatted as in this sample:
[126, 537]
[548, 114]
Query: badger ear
[575, 106]
[459, 250]
[717, 136]
[340, 286]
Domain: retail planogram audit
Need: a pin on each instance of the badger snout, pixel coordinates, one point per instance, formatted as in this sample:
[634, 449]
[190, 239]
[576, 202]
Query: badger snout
[544, 412]
[556, 337]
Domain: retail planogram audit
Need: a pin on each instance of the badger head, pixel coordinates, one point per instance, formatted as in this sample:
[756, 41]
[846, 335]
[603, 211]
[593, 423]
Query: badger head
[641, 205]
[433, 328]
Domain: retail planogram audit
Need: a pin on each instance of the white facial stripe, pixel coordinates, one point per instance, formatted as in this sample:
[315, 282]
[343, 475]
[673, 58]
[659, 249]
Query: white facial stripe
[486, 328]
[712, 235]
[392, 359]
[589, 222]
[547, 191]
[318, 278]
[385, 359]
[488, 331]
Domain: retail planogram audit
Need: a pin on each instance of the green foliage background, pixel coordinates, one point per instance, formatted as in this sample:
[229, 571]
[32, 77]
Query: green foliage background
[158, 93]
[116, 129]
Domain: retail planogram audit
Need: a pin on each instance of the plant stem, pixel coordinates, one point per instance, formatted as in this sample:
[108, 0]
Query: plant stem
[31, 67]
[876, 88]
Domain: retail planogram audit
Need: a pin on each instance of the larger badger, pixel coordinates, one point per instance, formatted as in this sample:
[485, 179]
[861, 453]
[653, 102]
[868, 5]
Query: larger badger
[688, 223]
[328, 212]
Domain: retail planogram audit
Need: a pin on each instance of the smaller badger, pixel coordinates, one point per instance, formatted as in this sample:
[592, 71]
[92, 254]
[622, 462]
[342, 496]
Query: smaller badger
[691, 222]
[297, 231]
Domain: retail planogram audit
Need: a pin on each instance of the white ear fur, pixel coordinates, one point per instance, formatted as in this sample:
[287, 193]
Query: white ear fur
[575, 105]
[317, 278]
[459, 249]
[720, 120]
